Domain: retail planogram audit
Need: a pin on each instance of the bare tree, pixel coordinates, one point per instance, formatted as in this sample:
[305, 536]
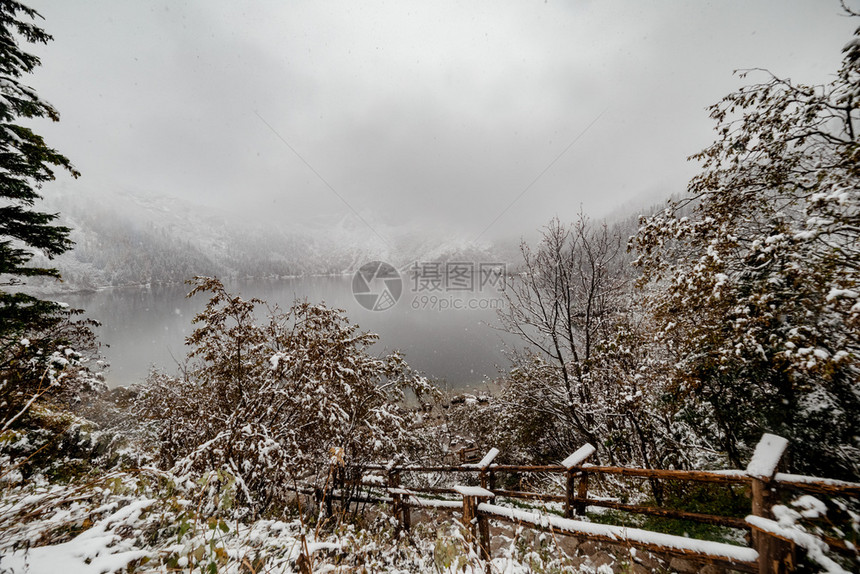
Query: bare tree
[590, 370]
[564, 303]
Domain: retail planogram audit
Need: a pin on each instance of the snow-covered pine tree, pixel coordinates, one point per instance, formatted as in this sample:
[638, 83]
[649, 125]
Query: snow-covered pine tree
[27, 162]
[43, 350]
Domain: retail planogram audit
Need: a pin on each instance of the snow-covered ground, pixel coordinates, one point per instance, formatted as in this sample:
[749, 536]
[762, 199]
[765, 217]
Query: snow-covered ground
[152, 522]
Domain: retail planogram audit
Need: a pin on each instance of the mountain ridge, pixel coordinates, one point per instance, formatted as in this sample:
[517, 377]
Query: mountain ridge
[126, 238]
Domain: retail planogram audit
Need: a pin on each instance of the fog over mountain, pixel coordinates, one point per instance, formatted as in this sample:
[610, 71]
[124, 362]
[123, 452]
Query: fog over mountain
[133, 239]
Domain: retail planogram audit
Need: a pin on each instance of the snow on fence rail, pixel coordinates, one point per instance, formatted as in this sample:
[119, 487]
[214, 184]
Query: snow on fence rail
[771, 551]
[737, 557]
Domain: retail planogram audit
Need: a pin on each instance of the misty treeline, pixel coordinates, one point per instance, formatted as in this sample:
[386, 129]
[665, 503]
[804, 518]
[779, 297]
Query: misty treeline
[127, 240]
[130, 244]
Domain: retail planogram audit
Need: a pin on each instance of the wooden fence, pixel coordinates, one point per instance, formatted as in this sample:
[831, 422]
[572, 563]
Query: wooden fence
[773, 548]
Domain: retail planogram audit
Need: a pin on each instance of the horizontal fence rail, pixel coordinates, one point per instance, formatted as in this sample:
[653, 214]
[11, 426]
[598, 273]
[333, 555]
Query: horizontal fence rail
[772, 550]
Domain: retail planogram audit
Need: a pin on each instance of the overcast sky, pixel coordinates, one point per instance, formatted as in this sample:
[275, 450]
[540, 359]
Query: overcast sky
[439, 113]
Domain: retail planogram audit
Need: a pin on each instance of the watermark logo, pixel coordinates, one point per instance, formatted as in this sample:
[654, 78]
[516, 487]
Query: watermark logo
[454, 276]
[432, 285]
[377, 286]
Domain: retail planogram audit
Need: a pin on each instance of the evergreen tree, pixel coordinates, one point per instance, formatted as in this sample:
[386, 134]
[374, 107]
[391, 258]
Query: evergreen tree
[26, 162]
[45, 352]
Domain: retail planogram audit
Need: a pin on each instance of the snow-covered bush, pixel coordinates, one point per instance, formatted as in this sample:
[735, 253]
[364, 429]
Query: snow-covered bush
[152, 522]
[277, 403]
[756, 272]
[52, 363]
[147, 521]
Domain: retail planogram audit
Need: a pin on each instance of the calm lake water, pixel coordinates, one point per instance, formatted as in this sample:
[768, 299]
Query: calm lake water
[146, 326]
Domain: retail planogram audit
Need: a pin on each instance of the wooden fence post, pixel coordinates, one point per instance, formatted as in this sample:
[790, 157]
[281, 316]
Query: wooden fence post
[484, 464]
[575, 460]
[476, 525]
[568, 493]
[401, 511]
[406, 516]
[488, 459]
[483, 531]
[470, 509]
[393, 478]
[775, 556]
[582, 494]
[400, 507]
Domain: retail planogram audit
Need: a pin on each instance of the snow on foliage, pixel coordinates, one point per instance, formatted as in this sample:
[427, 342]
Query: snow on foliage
[754, 273]
[56, 364]
[153, 522]
[270, 403]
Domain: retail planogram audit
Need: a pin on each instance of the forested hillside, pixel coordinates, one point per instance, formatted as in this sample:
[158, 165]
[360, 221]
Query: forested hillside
[127, 239]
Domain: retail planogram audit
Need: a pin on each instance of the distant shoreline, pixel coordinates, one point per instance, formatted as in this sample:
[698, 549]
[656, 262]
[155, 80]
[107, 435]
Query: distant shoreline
[44, 291]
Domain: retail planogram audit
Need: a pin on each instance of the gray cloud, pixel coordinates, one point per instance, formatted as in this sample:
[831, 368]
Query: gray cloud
[434, 113]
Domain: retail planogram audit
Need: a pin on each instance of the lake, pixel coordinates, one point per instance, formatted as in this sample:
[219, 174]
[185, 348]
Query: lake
[445, 334]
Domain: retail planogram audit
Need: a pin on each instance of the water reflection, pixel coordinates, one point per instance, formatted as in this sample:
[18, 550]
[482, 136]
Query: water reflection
[146, 327]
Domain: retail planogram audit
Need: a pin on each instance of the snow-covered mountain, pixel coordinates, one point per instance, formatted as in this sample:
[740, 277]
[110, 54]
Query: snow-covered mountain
[125, 238]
